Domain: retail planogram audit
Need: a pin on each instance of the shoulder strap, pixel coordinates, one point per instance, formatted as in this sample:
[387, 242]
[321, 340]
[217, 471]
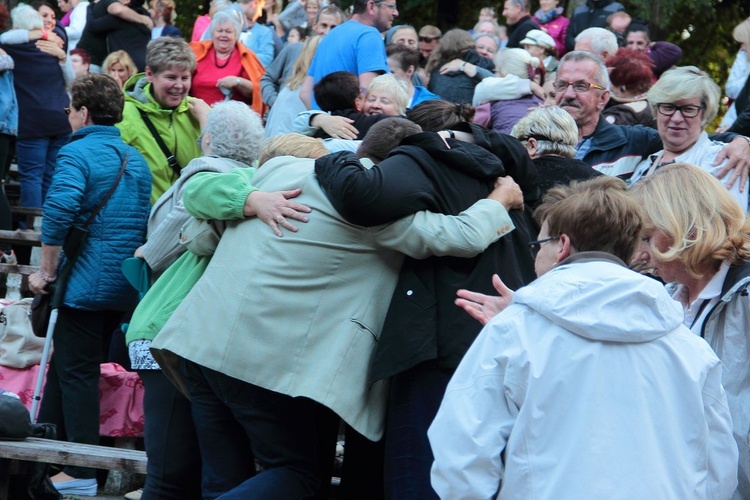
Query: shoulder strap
[109, 193]
[171, 159]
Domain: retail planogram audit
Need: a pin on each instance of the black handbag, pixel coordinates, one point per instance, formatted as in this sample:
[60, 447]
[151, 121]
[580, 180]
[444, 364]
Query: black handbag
[42, 305]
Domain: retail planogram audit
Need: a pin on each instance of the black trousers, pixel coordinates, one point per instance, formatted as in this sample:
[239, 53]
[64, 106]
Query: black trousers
[71, 394]
[174, 459]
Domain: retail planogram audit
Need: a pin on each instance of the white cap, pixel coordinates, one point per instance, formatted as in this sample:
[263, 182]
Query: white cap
[540, 38]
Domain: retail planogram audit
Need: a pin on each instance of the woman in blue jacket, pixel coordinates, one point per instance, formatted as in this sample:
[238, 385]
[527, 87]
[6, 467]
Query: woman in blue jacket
[97, 294]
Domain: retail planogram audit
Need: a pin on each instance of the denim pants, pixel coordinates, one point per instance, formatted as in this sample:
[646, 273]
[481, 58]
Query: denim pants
[413, 402]
[293, 439]
[71, 393]
[174, 459]
[36, 163]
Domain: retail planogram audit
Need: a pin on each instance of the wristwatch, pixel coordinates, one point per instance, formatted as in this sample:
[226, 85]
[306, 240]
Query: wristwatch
[462, 68]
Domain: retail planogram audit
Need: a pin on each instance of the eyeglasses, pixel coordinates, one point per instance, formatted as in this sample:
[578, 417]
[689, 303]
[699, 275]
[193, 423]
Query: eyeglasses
[428, 39]
[687, 111]
[67, 110]
[390, 5]
[578, 87]
[536, 246]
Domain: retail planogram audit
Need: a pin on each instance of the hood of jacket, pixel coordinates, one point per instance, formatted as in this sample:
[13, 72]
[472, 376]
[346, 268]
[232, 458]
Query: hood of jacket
[468, 158]
[594, 295]
[138, 91]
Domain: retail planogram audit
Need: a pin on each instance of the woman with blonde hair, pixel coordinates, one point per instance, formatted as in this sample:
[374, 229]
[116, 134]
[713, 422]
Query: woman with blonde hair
[288, 104]
[120, 66]
[507, 109]
[454, 67]
[697, 237]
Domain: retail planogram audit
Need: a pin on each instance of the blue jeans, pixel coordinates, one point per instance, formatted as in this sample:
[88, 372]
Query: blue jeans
[293, 438]
[413, 402]
[36, 163]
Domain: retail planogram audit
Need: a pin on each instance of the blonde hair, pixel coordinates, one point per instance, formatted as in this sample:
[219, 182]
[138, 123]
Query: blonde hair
[302, 64]
[518, 62]
[297, 145]
[390, 85]
[122, 57]
[741, 33]
[705, 222]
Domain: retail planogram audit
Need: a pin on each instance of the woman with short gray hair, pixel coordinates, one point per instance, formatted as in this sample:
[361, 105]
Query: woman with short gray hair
[684, 101]
[550, 135]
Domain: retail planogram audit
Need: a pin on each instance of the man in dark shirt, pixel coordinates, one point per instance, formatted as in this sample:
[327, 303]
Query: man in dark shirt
[518, 16]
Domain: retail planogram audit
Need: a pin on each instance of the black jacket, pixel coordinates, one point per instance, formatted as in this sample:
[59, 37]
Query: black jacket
[422, 322]
[458, 87]
[742, 124]
[559, 171]
[592, 15]
[517, 32]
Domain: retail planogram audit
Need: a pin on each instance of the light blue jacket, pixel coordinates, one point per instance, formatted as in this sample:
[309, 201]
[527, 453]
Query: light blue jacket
[86, 170]
[8, 101]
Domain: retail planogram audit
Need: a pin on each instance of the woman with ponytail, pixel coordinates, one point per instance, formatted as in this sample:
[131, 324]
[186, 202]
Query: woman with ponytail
[518, 69]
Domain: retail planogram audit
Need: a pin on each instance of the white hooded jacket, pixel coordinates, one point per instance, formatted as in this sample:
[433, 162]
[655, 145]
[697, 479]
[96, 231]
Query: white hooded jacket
[586, 386]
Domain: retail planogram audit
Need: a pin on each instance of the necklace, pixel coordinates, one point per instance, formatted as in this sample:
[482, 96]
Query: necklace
[216, 60]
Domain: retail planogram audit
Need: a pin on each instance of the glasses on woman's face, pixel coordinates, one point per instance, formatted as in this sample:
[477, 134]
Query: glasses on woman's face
[687, 111]
[536, 246]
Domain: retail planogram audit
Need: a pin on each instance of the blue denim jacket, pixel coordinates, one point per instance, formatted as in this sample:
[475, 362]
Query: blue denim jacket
[8, 101]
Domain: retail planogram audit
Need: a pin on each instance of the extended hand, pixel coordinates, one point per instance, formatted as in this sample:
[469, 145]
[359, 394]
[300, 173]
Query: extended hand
[483, 307]
[737, 154]
[508, 193]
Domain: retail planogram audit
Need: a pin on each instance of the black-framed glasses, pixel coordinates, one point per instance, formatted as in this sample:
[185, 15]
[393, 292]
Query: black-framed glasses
[428, 39]
[578, 87]
[536, 246]
[687, 111]
[67, 110]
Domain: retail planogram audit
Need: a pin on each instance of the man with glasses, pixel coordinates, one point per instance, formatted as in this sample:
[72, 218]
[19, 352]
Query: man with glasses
[587, 385]
[356, 47]
[582, 89]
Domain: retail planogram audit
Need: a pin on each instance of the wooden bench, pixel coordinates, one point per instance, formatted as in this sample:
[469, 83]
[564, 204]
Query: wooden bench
[64, 453]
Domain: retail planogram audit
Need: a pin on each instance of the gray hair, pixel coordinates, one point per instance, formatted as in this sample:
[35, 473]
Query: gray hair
[601, 77]
[686, 82]
[236, 131]
[553, 128]
[223, 17]
[25, 17]
[219, 5]
[601, 40]
[525, 5]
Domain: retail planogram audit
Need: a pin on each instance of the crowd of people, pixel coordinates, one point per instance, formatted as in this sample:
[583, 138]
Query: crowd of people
[510, 260]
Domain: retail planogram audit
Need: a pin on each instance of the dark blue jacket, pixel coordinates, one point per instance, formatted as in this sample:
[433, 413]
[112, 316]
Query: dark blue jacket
[86, 170]
[40, 90]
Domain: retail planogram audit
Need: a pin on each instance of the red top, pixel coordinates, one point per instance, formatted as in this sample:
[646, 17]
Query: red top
[209, 70]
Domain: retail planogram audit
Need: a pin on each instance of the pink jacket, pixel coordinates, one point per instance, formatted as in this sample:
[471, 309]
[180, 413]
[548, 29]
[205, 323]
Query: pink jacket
[557, 29]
